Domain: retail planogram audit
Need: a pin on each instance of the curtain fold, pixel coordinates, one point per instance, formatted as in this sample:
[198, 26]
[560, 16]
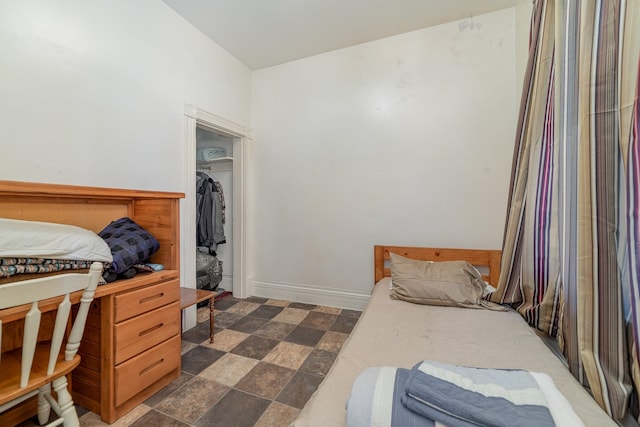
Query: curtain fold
[525, 271]
[630, 153]
[571, 249]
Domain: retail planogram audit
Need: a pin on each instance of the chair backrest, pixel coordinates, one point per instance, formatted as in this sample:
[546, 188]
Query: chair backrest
[35, 290]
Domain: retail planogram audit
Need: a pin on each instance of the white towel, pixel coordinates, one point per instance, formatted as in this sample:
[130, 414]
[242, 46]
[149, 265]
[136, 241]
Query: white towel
[210, 153]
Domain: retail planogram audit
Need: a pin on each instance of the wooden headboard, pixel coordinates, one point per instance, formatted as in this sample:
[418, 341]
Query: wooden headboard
[482, 258]
[94, 207]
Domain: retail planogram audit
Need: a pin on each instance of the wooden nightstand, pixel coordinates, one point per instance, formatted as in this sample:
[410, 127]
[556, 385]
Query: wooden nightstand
[189, 297]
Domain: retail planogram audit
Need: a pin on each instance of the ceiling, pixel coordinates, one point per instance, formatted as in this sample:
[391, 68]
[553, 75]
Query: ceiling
[263, 33]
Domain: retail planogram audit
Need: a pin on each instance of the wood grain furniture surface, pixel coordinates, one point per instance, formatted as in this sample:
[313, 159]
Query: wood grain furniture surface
[38, 367]
[131, 345]
[189, 297]
[486, 260]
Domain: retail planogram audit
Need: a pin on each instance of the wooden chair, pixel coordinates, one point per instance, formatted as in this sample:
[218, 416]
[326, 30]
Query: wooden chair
[37, 366]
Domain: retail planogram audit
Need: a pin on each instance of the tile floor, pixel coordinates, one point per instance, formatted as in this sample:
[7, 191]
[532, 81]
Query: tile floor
[267, 359]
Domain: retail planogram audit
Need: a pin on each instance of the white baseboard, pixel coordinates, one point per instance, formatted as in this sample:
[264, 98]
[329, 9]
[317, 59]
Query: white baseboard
[310, 295]
[227, 282]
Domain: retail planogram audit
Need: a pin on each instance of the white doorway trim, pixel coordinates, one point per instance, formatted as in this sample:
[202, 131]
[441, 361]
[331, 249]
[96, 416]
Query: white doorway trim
[194, 118]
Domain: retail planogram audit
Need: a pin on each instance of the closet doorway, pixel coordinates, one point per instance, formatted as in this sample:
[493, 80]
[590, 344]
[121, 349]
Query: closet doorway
[205, 130]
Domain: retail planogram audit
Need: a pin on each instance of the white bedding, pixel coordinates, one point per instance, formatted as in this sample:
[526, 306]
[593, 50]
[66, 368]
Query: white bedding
[35, 239]
[400, 334]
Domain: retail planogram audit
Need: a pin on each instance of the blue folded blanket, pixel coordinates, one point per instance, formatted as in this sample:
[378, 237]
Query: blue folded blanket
[375, 400]
[436, 394]
[464, 396]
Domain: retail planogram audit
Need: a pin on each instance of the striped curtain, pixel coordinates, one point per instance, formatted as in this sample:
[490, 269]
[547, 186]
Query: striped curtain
[571, 249]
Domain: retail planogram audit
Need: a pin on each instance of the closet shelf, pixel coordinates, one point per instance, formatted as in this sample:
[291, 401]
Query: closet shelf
[216, 160]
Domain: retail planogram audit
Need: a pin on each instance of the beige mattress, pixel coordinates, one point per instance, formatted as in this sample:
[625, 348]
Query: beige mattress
[400, 334]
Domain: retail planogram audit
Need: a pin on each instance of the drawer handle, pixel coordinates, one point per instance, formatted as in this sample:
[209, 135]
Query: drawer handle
[151, 329]
[151, 298]
[148, 368]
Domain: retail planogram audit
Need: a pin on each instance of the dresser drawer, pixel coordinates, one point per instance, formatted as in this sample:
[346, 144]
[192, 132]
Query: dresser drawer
[136, 335]
[145, 369]
[130, 304]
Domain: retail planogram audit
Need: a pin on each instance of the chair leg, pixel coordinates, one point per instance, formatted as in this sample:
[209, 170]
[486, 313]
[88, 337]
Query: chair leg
[67, 408]
[44, 409]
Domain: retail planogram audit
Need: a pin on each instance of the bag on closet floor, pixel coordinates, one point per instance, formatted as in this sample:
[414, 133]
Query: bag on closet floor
[211, 266]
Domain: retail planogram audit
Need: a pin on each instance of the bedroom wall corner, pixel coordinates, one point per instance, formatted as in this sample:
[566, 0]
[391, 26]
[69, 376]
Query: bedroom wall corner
[94, 93]
[402, 141]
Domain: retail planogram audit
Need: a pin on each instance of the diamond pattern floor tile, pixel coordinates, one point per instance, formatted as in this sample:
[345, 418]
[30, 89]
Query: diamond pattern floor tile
[267, 359]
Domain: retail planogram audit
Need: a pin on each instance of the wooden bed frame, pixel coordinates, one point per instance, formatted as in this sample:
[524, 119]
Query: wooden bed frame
[482, 258]
[396, 333]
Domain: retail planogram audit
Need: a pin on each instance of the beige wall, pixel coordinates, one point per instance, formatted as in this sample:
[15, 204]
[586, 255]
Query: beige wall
[93, 93]
[405, 140]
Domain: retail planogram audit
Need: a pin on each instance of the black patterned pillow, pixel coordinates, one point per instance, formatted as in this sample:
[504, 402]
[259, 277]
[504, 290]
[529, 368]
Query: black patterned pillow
[130, 244]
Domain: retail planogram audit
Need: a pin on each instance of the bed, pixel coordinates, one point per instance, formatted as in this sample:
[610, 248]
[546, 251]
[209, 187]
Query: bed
[131, 345]
[397, 333]
[30, 249]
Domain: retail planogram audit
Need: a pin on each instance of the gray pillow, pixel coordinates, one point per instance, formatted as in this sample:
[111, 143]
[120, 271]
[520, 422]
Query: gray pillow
[448, 283]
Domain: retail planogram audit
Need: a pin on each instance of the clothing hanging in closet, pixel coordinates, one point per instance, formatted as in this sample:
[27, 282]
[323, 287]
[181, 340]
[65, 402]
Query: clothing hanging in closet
[209, 212]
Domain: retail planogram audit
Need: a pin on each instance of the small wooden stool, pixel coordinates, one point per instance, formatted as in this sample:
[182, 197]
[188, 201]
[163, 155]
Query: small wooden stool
[189, 297]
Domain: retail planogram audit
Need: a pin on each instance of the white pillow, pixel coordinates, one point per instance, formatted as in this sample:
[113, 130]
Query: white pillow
[34, 239]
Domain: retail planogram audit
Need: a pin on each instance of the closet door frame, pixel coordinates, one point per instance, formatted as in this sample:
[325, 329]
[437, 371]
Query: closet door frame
[194, 118]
